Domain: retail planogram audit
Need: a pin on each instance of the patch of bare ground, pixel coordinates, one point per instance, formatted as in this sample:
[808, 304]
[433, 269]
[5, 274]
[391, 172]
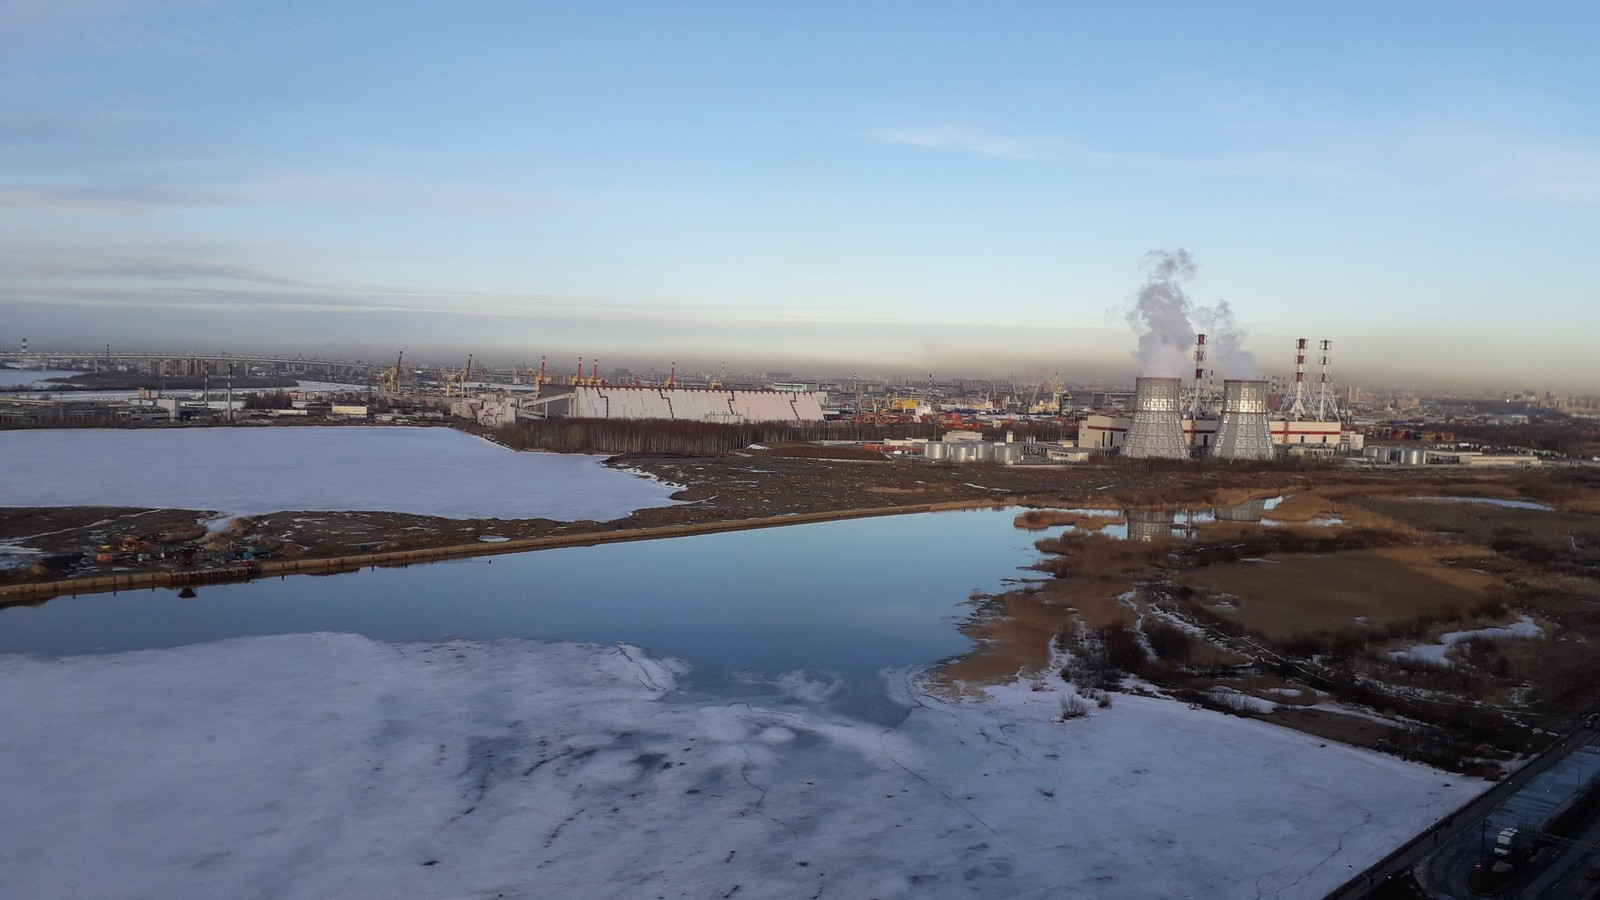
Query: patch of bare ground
[1013, 631]
[1283, 596]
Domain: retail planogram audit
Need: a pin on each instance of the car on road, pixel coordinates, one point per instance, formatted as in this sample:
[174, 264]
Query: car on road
[1593, 874]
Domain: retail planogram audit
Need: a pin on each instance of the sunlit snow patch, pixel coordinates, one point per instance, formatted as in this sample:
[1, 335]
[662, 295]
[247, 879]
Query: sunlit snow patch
[316, 766]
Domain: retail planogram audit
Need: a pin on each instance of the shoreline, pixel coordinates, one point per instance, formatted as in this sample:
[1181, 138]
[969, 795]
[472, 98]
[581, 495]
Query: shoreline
[13, 594]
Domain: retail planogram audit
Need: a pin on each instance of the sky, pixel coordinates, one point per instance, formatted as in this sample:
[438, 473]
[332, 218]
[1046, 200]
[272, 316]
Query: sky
[957, 189]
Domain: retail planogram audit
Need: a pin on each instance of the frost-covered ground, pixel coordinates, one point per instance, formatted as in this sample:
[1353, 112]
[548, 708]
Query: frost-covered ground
[1524, 628]
[241, 471]
[316, 766]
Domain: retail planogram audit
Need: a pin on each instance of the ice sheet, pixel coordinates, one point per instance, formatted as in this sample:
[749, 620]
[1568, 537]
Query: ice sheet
[240, 471]
[315, 766]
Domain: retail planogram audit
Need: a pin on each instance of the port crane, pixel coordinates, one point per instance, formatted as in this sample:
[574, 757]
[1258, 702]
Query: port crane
[390, 380]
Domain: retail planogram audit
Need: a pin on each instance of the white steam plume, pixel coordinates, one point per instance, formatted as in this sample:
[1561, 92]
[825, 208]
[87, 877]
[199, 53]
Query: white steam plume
[1161, 314]
[1225, 343]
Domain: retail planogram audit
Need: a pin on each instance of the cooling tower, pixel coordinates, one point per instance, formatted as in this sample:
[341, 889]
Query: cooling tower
[1243, 432]
[1157, 429]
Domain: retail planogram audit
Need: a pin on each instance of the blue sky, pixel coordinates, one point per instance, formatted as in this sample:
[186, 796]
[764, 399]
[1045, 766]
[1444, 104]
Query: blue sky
[875, 187]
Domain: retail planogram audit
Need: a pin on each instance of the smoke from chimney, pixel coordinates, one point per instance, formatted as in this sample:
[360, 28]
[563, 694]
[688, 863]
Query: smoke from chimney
[1226, 348]
[1164, 316]
[1161, 314]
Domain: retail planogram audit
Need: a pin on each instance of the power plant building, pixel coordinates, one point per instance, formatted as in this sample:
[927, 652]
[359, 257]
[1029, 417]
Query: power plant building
[1108, 433]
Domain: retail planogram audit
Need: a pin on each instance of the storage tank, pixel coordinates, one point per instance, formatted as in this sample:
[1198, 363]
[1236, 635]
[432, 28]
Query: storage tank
[1413, 457]
[1157, 428]
[1008, 454]
[936, 450]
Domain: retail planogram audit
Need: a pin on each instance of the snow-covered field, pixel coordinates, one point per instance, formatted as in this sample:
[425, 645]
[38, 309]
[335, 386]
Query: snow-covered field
[313, 766]
[243, 471]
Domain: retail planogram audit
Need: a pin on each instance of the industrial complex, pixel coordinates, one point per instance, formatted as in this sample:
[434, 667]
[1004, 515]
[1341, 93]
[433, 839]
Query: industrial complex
[958, 421]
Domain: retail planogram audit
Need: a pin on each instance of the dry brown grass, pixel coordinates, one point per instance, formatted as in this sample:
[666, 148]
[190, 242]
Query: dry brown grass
[1292, 595]
[1015, 630]
[1041, 519]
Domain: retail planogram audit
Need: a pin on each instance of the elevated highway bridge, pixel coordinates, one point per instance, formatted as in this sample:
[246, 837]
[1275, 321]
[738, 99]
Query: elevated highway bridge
[190, 363]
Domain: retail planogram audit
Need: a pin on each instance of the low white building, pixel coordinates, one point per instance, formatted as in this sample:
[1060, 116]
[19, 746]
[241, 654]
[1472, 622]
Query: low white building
[1107, 433]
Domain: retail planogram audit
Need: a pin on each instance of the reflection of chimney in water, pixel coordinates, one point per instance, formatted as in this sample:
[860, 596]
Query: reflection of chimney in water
[1243, 432]
[1157, 429]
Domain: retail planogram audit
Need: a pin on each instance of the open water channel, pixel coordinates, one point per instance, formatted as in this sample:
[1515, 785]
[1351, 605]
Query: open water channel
[851, 596]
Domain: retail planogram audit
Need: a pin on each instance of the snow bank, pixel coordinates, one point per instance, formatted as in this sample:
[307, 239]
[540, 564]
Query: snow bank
[239, 471]
[332, 765]
[1524, 628]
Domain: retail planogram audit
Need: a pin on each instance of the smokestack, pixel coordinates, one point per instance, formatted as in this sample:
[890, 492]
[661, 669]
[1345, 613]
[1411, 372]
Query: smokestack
[1326, 407]
[1295, 405]
[1243, 432]
[1157, 429]
[1197, 404]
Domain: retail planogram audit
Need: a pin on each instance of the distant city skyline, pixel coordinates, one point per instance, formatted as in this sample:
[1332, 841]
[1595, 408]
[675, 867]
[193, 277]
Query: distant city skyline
[821, 187]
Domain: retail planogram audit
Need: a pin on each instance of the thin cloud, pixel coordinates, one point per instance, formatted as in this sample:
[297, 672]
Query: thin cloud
[1510, 166]
[102, 199]
[959, 137]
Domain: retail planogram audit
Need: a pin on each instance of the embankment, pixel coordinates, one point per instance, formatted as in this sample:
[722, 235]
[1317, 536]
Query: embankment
[152, 578]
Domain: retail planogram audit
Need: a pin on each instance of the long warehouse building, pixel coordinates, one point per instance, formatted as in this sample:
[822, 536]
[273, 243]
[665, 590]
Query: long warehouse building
[682, 404]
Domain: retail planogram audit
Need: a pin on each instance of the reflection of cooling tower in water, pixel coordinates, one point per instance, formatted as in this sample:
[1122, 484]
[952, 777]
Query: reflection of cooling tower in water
[1248, 511]
[1157, 429]
[1243, 432]
[1149, 524]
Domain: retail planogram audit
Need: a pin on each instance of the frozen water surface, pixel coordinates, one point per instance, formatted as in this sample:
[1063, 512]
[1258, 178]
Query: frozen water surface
[1496, 501]
[313, 766]
[30, 379]
[246, 471]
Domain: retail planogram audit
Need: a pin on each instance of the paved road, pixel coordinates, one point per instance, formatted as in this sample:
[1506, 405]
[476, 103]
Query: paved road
[1563, 876]
[1444, 874]
[1457, 837]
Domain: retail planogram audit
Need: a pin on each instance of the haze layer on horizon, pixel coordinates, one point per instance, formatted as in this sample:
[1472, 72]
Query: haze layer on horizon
[819, 187]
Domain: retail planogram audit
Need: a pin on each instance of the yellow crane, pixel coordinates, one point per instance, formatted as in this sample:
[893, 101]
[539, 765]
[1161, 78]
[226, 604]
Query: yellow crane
[390, 380]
